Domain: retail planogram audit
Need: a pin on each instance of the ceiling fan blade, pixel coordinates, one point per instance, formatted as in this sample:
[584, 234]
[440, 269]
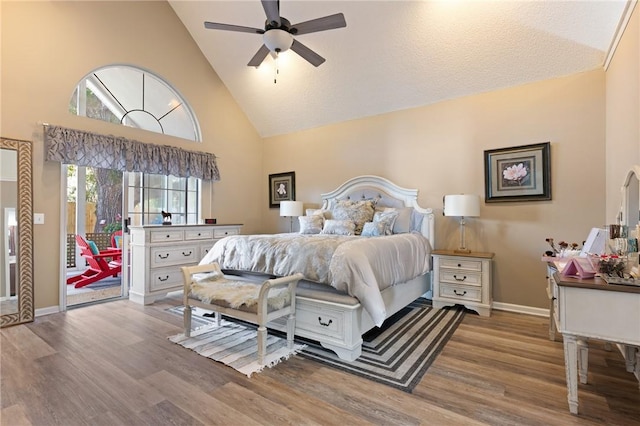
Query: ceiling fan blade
[259, 56]
[321, 24]
[312, 57]
[228, 27]
[272, 10]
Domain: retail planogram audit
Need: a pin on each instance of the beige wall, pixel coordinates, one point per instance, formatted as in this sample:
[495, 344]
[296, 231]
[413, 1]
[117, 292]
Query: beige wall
[623, 113]
[47, 47]
[439, 150]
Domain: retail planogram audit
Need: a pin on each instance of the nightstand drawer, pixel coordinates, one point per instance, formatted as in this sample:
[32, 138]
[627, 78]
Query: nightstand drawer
[460, 292]
[471, 265]
[460, 277]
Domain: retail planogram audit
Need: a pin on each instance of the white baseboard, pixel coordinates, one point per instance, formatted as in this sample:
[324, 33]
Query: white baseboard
[521, 309]
[47, 311]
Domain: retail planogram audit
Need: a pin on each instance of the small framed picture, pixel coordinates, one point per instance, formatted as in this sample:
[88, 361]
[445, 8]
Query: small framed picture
[520, 173]
[282, 187]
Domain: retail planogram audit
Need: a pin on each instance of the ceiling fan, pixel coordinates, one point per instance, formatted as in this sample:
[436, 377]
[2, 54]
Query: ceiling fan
[278, 33]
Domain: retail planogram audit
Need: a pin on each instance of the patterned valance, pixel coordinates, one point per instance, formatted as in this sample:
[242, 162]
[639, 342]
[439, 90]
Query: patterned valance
[70, 146]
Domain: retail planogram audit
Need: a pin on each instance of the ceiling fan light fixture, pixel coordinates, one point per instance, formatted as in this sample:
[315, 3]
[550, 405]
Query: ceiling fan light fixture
[277, 40]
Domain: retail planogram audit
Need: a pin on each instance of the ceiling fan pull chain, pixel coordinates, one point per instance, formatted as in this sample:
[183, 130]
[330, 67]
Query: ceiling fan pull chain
[277, 70]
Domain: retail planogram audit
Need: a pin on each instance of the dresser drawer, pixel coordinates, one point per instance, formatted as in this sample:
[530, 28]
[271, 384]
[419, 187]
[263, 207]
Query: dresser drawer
[322, 321]
[198, 234]
[470, 265]
[221, 233]
[175, 255]
[164, 278]
[204, 249]
[460, 277]
[461, 292]
[168, 235]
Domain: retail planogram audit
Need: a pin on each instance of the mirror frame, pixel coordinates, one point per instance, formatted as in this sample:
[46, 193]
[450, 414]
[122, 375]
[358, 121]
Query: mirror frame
[24, 272]
[626, 208]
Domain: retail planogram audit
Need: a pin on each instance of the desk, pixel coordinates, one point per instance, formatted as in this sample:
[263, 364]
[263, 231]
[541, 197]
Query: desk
[593, 309]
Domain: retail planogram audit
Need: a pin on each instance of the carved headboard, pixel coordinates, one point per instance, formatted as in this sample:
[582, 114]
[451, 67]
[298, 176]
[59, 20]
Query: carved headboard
[386, 194]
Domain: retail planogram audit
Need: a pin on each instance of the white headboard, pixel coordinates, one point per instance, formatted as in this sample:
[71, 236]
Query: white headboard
[386, 194]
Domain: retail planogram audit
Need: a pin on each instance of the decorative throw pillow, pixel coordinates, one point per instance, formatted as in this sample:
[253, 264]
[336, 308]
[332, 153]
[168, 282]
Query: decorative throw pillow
[358, 212]
[339, 227]
[402, 224]
[324, 213]
[373, 229]
[311, 224]
[387, 219]
[93, 247]
[118, 240]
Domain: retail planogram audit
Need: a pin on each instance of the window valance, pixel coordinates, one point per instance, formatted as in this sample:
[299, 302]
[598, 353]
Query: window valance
[72, 146]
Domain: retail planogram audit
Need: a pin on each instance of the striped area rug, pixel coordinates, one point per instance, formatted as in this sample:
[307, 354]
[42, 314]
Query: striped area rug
[398, 354]
[233, 344]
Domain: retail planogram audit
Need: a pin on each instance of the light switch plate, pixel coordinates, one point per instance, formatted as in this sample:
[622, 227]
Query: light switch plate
[38, 218]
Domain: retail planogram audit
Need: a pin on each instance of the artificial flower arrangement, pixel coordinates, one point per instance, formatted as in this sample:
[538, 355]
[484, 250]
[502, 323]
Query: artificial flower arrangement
[563, 249]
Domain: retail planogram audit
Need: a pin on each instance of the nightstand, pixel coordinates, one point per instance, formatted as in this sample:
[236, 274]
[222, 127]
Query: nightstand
[462, 279]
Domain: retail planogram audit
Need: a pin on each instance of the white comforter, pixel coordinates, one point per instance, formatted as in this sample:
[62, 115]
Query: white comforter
[358, 266]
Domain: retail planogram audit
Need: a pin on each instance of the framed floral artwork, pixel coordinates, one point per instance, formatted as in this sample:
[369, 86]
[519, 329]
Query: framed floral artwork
[520, 173]
[282, 187]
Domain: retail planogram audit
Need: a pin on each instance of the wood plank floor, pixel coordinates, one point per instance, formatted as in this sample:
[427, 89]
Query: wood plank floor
[111, 364]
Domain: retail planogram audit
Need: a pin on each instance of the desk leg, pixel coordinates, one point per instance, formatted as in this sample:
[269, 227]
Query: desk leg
[571, 369]
[583, 360]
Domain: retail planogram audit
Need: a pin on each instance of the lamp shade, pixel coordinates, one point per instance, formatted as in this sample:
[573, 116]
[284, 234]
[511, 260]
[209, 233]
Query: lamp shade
[463, 205]
[290, 208]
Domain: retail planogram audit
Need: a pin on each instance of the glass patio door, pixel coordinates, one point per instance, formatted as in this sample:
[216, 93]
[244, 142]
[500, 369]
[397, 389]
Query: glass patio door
[93, 211]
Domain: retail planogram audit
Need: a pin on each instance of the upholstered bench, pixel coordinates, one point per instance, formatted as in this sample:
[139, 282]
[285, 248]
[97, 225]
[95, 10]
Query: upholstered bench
[257, 302]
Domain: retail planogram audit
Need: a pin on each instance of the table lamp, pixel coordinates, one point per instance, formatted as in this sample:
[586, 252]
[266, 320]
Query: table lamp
[462, 205]
[291, 209]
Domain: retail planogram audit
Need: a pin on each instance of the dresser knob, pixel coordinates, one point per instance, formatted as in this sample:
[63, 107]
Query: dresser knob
[459, 265]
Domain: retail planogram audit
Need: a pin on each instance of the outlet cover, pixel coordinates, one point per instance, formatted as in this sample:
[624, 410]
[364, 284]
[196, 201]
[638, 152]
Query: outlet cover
[38, 218]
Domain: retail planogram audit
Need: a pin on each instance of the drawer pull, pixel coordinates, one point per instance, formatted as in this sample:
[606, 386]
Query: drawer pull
[324, 324]
[199, 234]
[455, 277]
[163, 257]
[459, 294]
[459, 265]
[187, 254]
[168, 236]
[163, 279]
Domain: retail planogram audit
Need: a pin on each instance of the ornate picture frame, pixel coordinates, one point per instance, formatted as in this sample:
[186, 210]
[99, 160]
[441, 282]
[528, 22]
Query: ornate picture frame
[282, 187]
[520, 173]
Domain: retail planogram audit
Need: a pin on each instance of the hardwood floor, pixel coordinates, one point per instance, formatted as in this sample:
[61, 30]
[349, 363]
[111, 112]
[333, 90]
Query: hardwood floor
[111, 364]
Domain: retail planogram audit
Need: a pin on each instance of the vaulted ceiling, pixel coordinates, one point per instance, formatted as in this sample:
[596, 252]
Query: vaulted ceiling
[394, 55]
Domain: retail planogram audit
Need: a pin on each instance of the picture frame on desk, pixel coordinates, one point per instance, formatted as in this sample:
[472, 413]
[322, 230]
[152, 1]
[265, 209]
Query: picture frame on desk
[520, 173]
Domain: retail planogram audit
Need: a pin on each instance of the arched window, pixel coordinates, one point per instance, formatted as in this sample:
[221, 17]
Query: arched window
[134, 97]
[138, 98]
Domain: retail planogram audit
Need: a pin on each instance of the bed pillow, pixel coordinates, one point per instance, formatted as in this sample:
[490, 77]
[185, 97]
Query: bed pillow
[373, 229]
[339, 227]
[359, 212]
[387, 220]
[311, 224]
[324, 213]
[93, 247]
[402, 224]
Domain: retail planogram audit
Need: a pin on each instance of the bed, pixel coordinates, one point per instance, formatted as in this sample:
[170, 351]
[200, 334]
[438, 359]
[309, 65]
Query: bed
[364, 280]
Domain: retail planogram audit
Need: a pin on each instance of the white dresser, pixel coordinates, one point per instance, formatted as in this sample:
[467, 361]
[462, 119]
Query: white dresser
[462, 278]
[158, 252]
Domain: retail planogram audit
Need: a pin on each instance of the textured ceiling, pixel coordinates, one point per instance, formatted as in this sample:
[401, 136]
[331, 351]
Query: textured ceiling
[395, 55]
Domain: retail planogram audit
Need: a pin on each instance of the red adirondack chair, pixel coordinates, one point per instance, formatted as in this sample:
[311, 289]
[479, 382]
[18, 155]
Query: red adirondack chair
[107, 263]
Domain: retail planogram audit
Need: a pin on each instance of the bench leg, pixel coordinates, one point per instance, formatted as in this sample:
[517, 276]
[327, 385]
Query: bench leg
[262, 343]
[291, 329]
[218, 319]
[186, 315]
